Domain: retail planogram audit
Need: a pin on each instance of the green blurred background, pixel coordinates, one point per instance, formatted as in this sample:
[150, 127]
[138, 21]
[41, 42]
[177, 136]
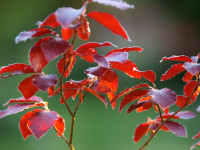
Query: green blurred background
[162, 28]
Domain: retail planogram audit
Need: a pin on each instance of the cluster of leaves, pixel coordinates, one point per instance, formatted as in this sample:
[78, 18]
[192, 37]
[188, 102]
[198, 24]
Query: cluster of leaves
[100, 81]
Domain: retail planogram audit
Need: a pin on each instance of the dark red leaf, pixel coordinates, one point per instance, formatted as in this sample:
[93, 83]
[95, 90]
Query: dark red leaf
[23, 36]
[181, 101]
[50, 21]
[69, 62]
[18, 108]
[60, 126]
[132, 96]
[127, 90]
[178, 58]
[66, 15]
[187, 77]
[146, 106]
[115, 3]
[174, 70]
[15, 69]
[37, 58]
[110, 22]
[164, 97]
[192, 68]
[27, 88]
[67, 33]
[117, 57]
[44, 82]
[100, 97]
[41, 121]
[84, 29]
[126, 49]
[140, 131]
[89, 45]
[101, 61]
[126, 67]
[176, 128]
[189, 88]
[33, 99]
[135, 106]
[54, 47]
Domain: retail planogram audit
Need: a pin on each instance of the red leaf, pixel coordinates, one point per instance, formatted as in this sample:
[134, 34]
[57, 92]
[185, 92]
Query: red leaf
[164, 97]
[192, 68]
[54, 47]
[18, 108]
[135, 106]
[69, 62]
[15, 69]
[60, 126]
[149, 75]
[117, 57]
[111, 95]
[126, 49]
[23, 124]
[69, 93]
[178, 58]
[127, 90]
[181, 101]
[115, 3]
[195, 145]
[189, 88]
[108, 79]
[89, 45]
[84, 29]
[126, 67]
[44, 82]
[50, 21]
[100, 97]
[27, 88]
[196, 136]
[67, 33]
[110, 22]
[174, 70]
[101, 61]
[176, 128]
[66, 15]
[132, 96]
[187, 77]
[23, 36]
[41, 121]
[37, 58]
[23, 100]
[145, 106]
[140, 131]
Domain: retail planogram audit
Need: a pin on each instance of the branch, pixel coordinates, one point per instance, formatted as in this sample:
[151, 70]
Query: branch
[163, 122]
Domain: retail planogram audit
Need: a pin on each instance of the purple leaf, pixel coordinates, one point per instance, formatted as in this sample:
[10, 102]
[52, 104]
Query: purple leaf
[117, 57]
[176, 128]
[192, 67]
[54, 47]
[164, 97]
[115, 3]
[44, 82]
[185, 114]
[101, 61]
[66, 15]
